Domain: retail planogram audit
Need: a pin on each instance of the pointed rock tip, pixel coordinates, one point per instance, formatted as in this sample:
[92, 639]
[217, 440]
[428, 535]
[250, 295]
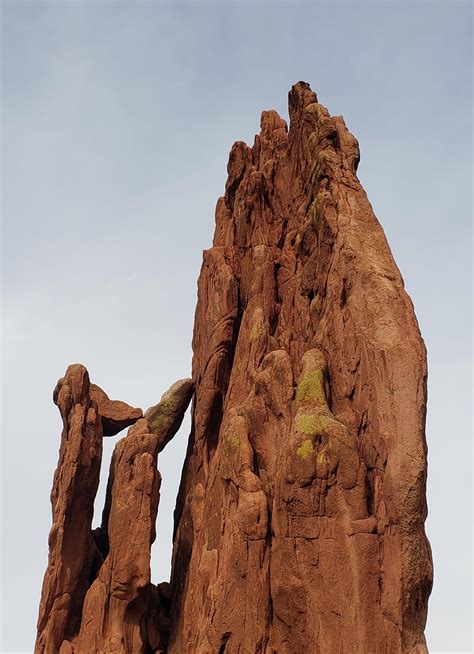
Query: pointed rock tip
[271, 120]
[77, 378]
[299, 97]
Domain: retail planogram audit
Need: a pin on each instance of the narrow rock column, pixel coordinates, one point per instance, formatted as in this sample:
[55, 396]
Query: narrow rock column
[73, 556]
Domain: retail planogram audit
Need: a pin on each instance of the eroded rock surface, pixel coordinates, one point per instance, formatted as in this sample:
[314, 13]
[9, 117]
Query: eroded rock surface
[300, 518]
[73, 555]
[116, 415]
[97, 594]
[121, 608]
[299, 524]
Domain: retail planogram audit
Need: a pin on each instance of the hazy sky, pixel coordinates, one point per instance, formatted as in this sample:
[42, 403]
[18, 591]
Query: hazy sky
[117, 122]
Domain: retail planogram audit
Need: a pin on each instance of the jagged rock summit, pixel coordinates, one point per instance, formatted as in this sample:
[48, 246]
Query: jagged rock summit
[299, 524]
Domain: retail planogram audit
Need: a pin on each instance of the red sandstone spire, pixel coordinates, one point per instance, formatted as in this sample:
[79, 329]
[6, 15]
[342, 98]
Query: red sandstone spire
[299, 524]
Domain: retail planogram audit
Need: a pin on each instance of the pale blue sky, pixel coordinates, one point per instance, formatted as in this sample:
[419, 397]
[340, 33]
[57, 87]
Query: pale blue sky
[117, 120]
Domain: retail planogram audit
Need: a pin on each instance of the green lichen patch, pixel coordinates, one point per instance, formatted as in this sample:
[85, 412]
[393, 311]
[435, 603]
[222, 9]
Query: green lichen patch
[231, 442]
[164, 414]
[306, 449]
[170, 408]
[311, 423]
[314, 107]
[322, 457]
[311, 388]
[313, 141]
[256, 331]
[160, 422]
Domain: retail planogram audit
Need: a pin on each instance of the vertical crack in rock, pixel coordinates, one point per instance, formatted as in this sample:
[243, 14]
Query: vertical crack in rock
[299, 522]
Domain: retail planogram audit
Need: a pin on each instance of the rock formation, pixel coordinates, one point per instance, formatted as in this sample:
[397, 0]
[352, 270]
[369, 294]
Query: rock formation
[300, 516]
[299, 523]
[97, 595]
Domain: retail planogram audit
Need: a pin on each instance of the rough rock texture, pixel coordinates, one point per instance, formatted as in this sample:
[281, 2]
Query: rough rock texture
[97, 596]
[299, 524]
[119, 612]
[73, 555]
[116, 415]
[300, 518]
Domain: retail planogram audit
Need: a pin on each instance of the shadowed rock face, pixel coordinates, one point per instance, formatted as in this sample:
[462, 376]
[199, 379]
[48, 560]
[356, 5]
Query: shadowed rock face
[300, 517]
[299, 523]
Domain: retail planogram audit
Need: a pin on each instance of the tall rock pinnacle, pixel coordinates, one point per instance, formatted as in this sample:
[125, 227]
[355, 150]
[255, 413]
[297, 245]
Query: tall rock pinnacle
[299, 524]
[300, 518]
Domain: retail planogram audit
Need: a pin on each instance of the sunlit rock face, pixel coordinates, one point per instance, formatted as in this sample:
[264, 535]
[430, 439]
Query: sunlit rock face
[300, 517]
[299, 523]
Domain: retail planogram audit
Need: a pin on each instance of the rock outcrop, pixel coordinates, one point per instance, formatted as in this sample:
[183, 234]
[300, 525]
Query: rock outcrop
[300, 517]
[97, 593]
[73, 555]
[299, 523]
